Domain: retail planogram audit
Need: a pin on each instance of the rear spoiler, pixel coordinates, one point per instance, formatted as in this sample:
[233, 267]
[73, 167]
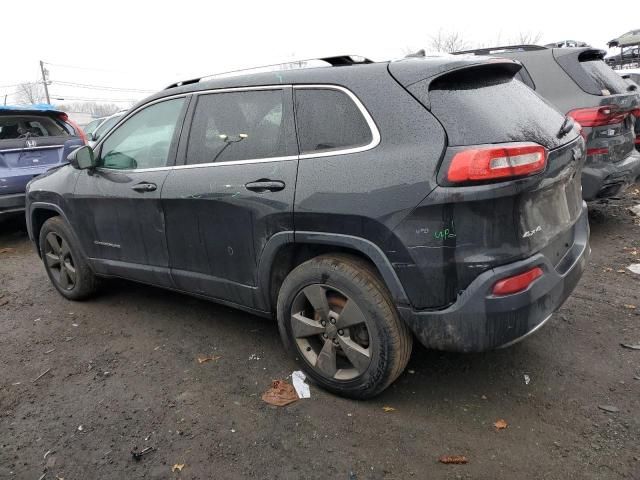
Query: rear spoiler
[417, 74]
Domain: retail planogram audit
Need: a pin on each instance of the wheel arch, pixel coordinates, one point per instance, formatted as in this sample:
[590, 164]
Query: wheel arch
[286, 250]
[40, 212]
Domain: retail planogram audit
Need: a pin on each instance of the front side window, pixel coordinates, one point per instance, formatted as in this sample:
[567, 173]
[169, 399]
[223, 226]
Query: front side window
[143, 140]
[236, 126]
[327, 119]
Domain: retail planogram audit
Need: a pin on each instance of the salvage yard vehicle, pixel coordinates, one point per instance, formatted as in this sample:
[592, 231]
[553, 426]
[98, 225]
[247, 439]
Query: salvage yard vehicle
[106, 124]
[359, 203]
[32, 140]
[579, 83]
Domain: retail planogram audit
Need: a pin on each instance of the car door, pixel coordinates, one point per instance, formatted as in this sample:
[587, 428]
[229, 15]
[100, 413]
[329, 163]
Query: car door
[233, 192]
[116, 206]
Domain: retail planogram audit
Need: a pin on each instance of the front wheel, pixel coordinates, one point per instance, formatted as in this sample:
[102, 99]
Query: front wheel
[337, 318]
[63, 260]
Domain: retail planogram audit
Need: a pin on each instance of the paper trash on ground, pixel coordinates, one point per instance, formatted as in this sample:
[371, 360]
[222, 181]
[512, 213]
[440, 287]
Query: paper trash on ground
[302, 389]
[635, 268]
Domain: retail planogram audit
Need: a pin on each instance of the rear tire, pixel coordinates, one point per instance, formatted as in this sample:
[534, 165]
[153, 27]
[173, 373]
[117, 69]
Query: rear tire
[338, 320]
[66, 267]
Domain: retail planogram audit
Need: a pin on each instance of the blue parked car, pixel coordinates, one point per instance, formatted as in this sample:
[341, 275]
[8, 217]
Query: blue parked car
[33, 140]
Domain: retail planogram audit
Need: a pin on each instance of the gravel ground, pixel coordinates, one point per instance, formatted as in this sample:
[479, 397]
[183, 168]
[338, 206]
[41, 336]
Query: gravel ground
[122, 371]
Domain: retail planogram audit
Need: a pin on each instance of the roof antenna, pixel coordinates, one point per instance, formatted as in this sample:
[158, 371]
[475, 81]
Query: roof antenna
[418, 54]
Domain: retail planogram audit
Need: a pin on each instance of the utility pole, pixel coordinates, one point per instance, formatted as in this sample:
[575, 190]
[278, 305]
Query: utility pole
[44, 80]
[5, 98]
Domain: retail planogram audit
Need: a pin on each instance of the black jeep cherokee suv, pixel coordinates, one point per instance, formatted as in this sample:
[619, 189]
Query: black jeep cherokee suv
[361, 204]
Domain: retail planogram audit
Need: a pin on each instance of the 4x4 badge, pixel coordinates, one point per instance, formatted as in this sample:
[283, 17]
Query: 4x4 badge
[531, 233]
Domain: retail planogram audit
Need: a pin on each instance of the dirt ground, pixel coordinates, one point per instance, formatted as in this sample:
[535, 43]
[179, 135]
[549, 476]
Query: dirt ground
[122, 371]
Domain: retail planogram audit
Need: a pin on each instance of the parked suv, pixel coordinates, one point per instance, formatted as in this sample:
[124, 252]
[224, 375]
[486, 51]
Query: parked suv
[360, 204]
[32, 140]
[581, 85]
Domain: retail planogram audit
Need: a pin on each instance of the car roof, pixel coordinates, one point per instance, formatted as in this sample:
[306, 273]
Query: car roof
[419, 66]
[38, 108]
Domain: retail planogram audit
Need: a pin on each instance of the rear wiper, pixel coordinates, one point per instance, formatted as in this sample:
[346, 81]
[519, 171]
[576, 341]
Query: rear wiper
[566, 127]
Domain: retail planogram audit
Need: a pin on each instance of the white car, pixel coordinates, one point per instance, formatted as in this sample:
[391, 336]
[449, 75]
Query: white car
[630, 73]
[104, 127]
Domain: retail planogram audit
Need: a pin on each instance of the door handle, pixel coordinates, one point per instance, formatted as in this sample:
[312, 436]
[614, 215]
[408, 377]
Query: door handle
[144, 187]
[265, 185]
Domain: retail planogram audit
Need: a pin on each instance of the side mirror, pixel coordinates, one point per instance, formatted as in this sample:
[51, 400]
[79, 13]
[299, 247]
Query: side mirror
[82, 158]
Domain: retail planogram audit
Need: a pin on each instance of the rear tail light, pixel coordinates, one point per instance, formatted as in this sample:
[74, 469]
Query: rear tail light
[638, 140]
[497, 162]
[65, 118]
[598, 116]
[598, 151]
[517, 283]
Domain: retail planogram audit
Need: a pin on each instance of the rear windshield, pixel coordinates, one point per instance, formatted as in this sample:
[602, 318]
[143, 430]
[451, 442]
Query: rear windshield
[23, 126]
[487, 107]
[607, 81]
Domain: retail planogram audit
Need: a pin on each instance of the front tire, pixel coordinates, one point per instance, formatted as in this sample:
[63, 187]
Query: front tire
[66, 267]
[337, 318]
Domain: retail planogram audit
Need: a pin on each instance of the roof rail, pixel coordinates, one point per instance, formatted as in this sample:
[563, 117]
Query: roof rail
[507, 48]
[337, 61]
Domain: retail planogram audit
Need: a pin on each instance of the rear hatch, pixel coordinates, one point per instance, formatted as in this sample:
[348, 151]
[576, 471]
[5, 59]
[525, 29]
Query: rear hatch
[478, 220]
[30, 144]
[608, 118]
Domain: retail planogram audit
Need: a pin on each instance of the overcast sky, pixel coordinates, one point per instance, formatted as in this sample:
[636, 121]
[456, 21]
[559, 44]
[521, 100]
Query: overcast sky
[146, 45]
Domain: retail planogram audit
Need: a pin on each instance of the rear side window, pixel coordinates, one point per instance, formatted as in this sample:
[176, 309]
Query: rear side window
[329, 120]
[238, 126]
[607, 81]
[23, 126]
[478, 107]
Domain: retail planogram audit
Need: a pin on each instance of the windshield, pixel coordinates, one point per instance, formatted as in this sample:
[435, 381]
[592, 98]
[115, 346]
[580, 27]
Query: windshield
[606, 79]
[493, 108]
[106, 126]
[91, 126]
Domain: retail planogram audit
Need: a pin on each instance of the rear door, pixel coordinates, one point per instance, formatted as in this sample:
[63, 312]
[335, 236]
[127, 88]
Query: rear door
[233, 191]
[116, 208]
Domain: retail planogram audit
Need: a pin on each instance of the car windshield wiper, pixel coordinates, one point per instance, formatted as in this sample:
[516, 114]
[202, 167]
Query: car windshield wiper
[566, 127]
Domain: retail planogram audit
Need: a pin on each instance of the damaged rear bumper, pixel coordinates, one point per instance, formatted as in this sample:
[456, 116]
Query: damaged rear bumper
[611, 179]
[480, 321]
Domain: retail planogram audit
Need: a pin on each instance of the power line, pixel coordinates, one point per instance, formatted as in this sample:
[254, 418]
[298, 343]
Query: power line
[84, 68]
[101, 87]
[114, 100]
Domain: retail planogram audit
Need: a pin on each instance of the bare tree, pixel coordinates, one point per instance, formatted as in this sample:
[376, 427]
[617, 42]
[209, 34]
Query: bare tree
[30, 92]
[528, 38]
[95, 109]
[448, 42]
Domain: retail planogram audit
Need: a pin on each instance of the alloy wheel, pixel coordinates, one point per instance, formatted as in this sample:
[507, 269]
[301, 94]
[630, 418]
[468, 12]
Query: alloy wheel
[331, 332]
[59, 260]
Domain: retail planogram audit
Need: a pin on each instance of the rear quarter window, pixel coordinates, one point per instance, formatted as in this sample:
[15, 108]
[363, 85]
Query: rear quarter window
[329, 120]
[479, 107]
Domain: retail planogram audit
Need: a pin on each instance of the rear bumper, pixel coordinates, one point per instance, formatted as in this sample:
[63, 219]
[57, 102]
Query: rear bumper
[13, 203]
[480, 321]
[610, 179]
